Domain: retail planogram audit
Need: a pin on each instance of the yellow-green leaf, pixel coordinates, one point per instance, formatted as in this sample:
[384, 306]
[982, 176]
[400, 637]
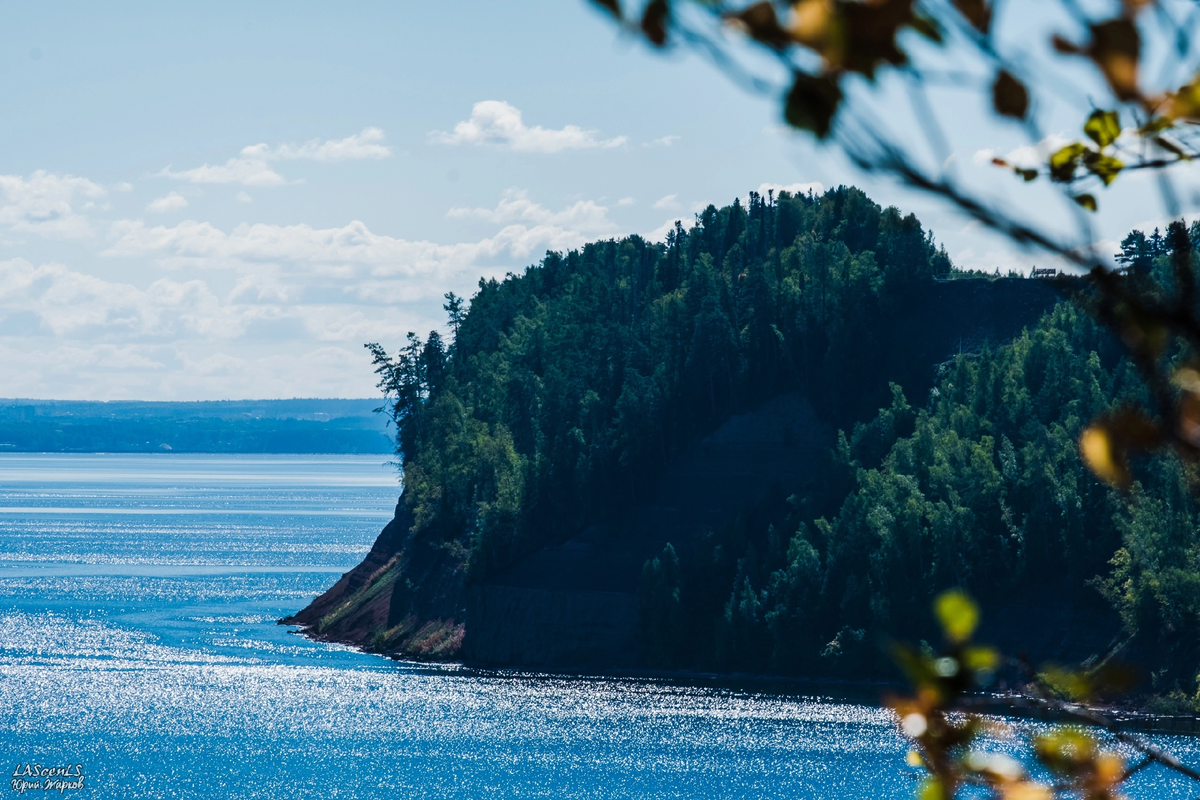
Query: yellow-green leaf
[1156, 125]
[1071, 684]
[815, 24]
[978, 657]
[1088, 201]
[1185, 103]
[931, 789]
[1106, 168]
[1064, 161]
[958, 614]
[1064, 750]
[1103, 127]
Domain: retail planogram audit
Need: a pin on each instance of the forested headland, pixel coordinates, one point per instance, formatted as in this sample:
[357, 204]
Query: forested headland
[565, 393]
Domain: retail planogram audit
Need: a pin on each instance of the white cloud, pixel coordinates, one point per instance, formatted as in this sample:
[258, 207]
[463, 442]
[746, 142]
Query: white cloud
[497, 123]
[201, 244]
[667, 141]
[125, 186]
[1029, 156]
[668, 203]
[242, 197]
[660, 233]
[246, 171]
[365, 144]
[279, 291]
[252, 166]
[263, 287]
[64, 333]
[69, 302]
[72, 306]
[626, 201]
[815, 187]
[1004, 261]
[327, 371]
[172, 202]
[354, 261]
[585, 216]
[44, 203]
[179, 371]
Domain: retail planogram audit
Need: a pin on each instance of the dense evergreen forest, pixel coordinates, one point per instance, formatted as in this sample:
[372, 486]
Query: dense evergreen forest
[565, 390]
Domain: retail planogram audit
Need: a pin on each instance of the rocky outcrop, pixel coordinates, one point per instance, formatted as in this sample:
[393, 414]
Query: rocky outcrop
[402, 599]
[354, 607]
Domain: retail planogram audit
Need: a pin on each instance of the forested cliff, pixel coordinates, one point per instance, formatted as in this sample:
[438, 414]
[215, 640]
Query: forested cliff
[630, 455]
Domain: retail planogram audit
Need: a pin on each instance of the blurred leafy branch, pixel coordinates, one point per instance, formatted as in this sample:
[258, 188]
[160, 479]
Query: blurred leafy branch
[951, 738]
[843, 60]
[833, 48]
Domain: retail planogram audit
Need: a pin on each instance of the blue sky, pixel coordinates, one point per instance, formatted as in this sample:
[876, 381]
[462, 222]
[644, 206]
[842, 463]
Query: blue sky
[225, 201]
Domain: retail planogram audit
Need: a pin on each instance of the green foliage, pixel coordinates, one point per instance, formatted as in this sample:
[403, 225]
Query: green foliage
[470, 486]
[955, 747]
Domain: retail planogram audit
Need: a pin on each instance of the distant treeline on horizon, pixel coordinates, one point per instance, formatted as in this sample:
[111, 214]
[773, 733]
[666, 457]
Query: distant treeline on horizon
[208, 426]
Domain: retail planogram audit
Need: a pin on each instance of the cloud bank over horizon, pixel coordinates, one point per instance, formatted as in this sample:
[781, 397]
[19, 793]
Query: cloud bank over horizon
[254, 309]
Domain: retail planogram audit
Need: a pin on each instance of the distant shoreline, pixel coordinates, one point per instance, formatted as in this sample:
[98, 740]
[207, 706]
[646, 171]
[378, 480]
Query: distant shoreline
[298, 426]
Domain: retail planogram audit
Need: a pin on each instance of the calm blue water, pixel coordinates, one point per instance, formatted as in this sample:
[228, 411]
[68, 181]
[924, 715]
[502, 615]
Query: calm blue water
[138, 599]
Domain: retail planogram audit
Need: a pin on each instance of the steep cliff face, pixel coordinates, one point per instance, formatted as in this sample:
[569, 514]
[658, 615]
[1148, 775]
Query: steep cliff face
[574, 604]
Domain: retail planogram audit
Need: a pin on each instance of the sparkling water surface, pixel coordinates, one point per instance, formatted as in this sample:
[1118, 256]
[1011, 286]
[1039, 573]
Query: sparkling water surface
[138, 600]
